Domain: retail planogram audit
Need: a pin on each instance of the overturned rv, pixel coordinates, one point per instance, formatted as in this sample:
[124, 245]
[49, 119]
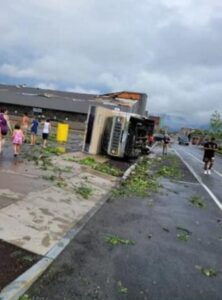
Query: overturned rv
[116, 133]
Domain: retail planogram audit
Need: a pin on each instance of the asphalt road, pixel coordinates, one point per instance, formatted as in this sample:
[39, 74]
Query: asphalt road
[160, 265]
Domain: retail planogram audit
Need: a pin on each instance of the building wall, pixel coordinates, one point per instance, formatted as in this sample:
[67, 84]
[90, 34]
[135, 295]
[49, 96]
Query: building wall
[18, 110]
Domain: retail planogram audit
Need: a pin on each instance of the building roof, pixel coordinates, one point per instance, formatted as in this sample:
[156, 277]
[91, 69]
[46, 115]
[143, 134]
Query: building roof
[59, 100]
[47, 99]
[126, 95]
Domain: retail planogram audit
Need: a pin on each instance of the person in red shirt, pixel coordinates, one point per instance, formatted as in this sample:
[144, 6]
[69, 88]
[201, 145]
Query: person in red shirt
[150, 140]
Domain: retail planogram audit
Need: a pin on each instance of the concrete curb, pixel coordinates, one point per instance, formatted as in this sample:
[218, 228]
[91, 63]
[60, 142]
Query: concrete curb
[22, 283]
[131, 168]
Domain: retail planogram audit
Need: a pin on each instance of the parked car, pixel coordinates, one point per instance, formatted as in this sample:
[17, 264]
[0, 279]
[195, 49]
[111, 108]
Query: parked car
[183, 140]
[158, 137]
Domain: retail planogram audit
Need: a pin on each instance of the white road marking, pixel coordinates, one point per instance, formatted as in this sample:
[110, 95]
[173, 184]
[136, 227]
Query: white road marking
[215, 199]
[215, 171]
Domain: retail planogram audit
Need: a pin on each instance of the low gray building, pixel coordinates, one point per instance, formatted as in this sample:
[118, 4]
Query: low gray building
[59, 105]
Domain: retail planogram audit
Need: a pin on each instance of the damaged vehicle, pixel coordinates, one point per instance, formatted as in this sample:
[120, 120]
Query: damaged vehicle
[116, 133]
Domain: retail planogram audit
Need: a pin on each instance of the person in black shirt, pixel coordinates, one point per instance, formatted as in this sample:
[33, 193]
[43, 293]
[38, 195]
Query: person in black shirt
[209, 154]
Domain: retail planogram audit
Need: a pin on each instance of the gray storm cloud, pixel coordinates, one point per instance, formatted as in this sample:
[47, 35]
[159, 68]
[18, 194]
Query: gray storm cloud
[169, 49]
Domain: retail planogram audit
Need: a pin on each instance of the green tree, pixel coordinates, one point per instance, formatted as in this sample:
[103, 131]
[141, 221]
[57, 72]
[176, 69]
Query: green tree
[216, 123]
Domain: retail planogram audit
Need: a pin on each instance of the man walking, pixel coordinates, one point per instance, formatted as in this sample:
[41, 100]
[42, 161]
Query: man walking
[166, 141]
[209, 155]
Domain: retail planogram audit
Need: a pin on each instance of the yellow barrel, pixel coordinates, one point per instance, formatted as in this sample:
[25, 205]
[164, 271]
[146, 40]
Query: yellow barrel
[62, 132]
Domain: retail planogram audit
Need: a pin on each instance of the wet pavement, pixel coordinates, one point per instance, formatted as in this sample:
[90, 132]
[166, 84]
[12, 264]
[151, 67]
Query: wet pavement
[193, 155]
[40, 203]
[175, 244]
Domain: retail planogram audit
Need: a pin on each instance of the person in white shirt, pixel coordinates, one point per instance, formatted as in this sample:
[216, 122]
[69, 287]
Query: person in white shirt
[45, 132]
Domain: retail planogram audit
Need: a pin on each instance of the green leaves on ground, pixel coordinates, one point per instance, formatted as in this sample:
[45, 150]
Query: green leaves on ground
[54, 150]
[101, 167]
[169, 167]
[198, 201]
[116, 240]
[28, 258]
[167, 171]
[139, 183]
[121, 288]
[57, 179]
[88, 161]
[84, 190]
[208, 272]
[183, 234]
[25, 297]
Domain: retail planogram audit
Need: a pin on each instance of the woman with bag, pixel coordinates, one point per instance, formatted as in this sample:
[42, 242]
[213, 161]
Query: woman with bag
[4, 125]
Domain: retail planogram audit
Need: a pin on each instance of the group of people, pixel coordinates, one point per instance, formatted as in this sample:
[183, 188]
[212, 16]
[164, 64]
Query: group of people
[20, 131]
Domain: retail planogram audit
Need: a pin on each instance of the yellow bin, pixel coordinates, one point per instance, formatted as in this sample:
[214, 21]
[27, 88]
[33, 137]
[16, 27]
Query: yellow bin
[62, 132]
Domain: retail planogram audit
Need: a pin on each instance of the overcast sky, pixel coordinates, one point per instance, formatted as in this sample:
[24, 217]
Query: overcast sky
[169, 49]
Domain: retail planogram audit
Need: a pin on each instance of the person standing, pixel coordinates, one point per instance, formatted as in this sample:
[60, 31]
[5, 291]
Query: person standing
[150, 140]
[4, 126]
[45, 132]
[166, 141]
[17, 139]
[25, 125]
[34, 130]
[209, 155]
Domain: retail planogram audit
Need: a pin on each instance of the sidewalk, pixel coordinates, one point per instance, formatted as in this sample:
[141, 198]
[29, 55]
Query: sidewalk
[43, 197]
[165, 246]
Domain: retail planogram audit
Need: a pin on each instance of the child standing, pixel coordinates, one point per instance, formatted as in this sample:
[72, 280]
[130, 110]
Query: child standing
[25, 125]
[45, 132]
[17, 139]
[34, 130]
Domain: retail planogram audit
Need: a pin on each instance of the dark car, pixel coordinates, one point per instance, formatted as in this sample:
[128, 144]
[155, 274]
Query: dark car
[183, 140]
[158, 137]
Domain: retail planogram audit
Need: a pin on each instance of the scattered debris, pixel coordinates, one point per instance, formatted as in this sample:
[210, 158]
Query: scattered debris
[116, 240]
[25, 297]
[140, 183]
[84, 190]
[101, 167]
[27, 258]
[183, 234]
[121, 288]
[169, 167]
[198, 201]
[208, 272]
[165, 229]
[61, 184]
